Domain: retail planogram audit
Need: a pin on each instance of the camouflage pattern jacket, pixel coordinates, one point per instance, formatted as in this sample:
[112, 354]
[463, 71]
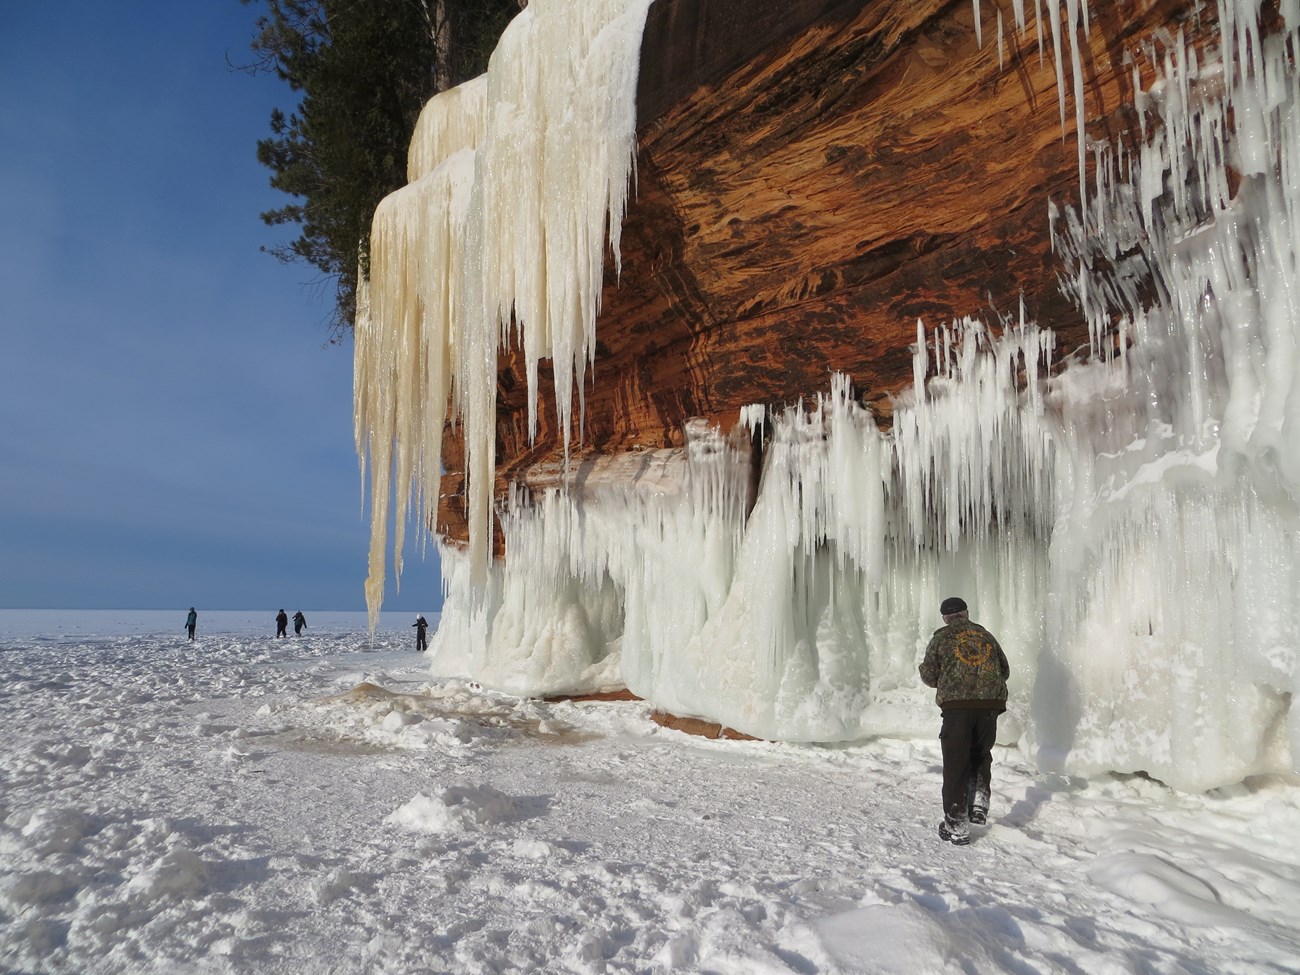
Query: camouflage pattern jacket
[967, 667]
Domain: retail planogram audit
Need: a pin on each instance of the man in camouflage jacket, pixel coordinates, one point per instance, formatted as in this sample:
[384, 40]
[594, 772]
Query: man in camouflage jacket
[969, 671]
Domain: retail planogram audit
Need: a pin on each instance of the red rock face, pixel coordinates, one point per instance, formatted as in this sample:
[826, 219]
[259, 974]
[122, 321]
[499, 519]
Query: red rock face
[812, 177]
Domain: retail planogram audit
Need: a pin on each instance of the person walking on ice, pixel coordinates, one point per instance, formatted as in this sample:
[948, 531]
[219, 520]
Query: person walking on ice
[421, 627]
[299, 621]
[969, 671]
[191, 622]
[281, 624]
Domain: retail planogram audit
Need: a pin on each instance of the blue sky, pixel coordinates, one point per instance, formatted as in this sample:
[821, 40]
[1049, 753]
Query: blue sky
[175, 429]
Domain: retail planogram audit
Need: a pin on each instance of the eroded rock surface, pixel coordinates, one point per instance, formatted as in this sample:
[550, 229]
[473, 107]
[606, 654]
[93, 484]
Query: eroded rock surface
[813, 177]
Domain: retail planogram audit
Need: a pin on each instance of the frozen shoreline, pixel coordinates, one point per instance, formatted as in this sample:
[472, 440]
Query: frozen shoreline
[70, 625]
[220, 808]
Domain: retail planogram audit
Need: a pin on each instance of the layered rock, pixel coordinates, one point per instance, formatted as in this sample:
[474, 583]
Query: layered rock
[812, 178]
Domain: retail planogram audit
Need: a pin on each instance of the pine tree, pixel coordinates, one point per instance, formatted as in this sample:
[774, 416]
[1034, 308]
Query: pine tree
[364, 69]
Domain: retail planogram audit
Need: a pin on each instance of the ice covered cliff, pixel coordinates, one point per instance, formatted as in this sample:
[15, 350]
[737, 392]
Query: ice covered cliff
[1126, 521]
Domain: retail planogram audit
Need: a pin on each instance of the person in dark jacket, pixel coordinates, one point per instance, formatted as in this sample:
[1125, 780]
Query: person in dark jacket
[281, 624]
[191, 622]
[421, 627]
[299, 621]
[969, 672]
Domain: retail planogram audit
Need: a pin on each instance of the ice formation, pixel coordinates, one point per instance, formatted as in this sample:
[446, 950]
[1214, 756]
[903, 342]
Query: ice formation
[1129, 526]
[519, 182]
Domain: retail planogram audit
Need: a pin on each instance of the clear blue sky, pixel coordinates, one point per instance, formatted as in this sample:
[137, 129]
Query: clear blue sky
[174, 428]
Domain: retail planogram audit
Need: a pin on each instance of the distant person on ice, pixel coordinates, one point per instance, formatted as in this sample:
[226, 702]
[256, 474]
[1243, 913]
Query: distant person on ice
[281, 624]
[421, 627]
[969, 670]
[191, 622]
[299, 621]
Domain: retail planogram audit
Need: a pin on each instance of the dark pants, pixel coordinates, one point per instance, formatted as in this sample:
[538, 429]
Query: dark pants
[420, 642]
[190, 630]
[967, 738]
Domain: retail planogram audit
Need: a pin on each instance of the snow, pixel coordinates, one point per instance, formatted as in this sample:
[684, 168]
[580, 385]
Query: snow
[318, 805]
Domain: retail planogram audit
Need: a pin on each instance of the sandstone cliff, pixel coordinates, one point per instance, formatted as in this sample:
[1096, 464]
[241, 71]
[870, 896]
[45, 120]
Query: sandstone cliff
[813, 176]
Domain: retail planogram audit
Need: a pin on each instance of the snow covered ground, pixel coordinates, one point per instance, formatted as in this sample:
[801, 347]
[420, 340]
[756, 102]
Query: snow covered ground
[242, 804]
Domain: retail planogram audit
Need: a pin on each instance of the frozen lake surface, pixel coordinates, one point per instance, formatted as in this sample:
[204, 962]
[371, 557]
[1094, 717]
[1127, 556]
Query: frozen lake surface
[319, 805]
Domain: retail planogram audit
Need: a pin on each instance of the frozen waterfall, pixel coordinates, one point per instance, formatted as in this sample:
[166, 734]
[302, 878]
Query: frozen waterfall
[1129, 526]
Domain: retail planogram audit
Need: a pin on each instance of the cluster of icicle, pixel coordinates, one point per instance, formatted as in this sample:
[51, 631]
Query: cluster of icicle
[1129, 526]
[1176, 550]
[518, 184]
[1075, 23]
[800, 619]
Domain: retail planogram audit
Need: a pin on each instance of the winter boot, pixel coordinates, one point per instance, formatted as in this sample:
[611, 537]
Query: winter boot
[954, 833]
[977, 803]
[953, 828]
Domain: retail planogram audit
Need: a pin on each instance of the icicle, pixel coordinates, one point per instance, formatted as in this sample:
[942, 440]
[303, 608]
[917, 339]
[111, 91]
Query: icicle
[1054, 14]
[919, 366]
[1038, 28]
[1076, 76]
[552, 125]
[404, 359]
[1000, 47]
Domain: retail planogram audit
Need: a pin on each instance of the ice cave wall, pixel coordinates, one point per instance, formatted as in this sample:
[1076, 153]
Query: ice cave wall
[1127, 525]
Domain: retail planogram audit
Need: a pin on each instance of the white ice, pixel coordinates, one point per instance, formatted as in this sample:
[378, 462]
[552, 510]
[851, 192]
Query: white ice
[519, 182]
[318, 805]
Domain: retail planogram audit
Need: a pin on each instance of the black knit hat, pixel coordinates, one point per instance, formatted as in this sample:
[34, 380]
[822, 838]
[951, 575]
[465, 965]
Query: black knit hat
[953, 604]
